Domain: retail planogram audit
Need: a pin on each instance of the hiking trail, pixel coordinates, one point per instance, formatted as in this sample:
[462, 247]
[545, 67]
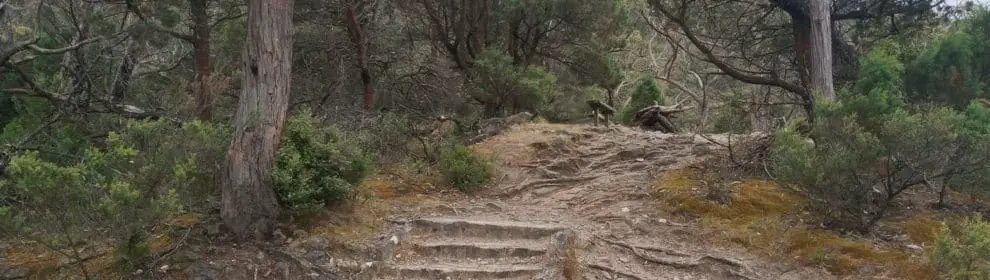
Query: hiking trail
[569, 202]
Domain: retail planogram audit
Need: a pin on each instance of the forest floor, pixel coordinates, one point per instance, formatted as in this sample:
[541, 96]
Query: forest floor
[639, 203]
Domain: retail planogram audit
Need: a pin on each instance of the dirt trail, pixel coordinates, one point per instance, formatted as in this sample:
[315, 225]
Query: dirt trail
[559, 183]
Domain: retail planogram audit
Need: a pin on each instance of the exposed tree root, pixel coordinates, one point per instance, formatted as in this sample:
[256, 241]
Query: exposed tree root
[738, 269]
[299, 262]
[613, 271]
[547, 183]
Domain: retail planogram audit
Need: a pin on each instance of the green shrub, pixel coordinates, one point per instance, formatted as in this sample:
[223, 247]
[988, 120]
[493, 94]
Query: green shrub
[646, 93]
[465, 170]
[962, 251]
[148, 171]
[508, 88]
[869, 147]
[314, 168]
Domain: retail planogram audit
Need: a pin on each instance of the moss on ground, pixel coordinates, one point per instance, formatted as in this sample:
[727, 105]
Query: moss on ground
[773, 220]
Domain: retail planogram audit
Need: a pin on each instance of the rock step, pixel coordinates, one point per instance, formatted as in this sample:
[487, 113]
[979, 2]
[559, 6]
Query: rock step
[475, 248]
[464, 271]
[426, 261]
[461, 228]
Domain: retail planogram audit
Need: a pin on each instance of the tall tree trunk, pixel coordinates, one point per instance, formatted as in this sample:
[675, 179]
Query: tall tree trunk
[361, 47]
[802, 45]
[250, 206]
[201, 52]
[820, 66]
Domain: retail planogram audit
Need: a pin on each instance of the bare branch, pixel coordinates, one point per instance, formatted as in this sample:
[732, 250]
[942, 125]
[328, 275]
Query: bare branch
[710, 57]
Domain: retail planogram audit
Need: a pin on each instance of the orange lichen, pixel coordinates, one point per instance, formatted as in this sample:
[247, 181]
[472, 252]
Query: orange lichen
[921, 229]
[767, 217]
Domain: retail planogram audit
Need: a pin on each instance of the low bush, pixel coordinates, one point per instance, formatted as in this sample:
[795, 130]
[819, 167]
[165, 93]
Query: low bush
[963, 251]
[147, 172]
[465, 170]
[315, 168]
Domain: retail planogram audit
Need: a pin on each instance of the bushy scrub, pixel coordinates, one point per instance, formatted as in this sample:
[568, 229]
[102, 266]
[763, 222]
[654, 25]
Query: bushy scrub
[963, 251]
[314, 168]
[465, 170]
[869, 147]
[647, 92]
[147, 172]
[506, 87]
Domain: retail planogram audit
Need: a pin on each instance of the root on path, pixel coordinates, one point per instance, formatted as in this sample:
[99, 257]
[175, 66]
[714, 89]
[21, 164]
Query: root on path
[738, 268]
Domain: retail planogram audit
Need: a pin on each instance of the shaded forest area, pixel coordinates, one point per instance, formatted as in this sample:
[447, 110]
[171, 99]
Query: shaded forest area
[118, 116]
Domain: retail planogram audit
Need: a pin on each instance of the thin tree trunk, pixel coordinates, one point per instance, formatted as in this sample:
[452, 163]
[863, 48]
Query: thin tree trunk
[250, 207]
[820, 66]
[201, 52]
[760, 114]
[361, 46]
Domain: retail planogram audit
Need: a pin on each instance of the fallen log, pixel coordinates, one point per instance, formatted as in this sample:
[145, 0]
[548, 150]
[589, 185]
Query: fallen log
[657, 117]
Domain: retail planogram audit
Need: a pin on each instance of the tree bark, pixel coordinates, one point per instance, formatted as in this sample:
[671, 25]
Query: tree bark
[201, 53]
[250, 206]
[820, 66]
[361, 47]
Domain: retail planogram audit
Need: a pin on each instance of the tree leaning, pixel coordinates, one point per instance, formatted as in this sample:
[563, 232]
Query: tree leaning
[250, 207]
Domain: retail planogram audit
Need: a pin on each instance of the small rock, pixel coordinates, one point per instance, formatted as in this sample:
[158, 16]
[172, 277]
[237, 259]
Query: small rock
[701, 149]
[298, 233]
[394, 239]
[314, 275]
[914, 247]
[315, 255]
[398, 256]
[367, 264]
[625, 209]
[318, 244]
[213, 229]
[625, 260]
[163, 269]
[447, 209]
[662, 221]
[640, 159]
[138, 272]
[278, 235]
[260, 256]
[493, 206]
[12, 273]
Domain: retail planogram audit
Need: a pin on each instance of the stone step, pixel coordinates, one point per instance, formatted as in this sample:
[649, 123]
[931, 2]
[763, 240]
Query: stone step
[469, 228]
[463, 271]
[479, 248]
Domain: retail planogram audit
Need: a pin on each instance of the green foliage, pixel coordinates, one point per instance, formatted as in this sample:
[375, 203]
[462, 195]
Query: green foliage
[876, 94]
[647, 92]
[868, 148]
[731, 118]
[504, 83]
[963, 250]
[465, 170]
[952, 70]
[148, 171]
[314, 168]
[573, 105]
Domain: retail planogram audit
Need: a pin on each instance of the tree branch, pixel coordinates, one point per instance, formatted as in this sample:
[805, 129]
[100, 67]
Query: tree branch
[175, 33]
[710, 57]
